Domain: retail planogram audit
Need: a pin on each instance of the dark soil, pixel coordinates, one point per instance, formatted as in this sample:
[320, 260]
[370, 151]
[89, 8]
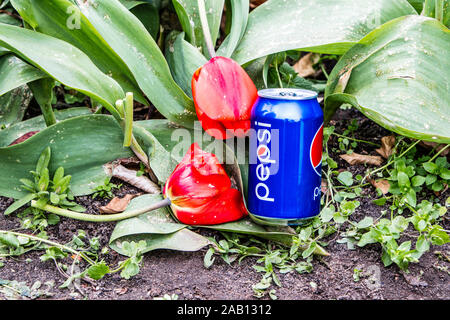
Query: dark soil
[170, 272]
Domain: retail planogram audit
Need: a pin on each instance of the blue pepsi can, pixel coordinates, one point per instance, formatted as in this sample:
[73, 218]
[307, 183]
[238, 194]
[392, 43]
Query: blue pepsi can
[285, 157]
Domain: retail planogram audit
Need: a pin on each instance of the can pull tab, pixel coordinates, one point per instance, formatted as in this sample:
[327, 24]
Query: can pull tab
[288, 94]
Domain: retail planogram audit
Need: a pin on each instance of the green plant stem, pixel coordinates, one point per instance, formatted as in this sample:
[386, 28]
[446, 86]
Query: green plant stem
[322, 66]
[357, 140]
[48, 114]
[278, 75]
[126, 122]
[390, 162]
[439, 10]
[139, 152]
[439, 152]
[205, 27]
[100, 218]
[128, 114]
[49, 242]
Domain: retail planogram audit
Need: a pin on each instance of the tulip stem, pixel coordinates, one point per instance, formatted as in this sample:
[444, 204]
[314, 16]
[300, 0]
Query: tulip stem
[100, 218]
[205, 27]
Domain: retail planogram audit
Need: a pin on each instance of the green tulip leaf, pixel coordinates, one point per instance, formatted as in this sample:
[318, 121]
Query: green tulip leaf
[147, 12]
[183, 59]
[282, 235]
[63, 62]
[188, 14]
[239, 18]
[398, 76]
[17, 130]
[156, 228]
[63, 20]
[130, 40]
[82, 153]
[154, 222]
[160, 159]
[13, 106]
[417, 4]
[321, 26]
[182, 240]
[15, 73]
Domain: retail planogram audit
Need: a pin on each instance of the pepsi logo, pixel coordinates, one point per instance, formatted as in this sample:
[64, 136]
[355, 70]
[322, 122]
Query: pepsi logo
[262, 150]
[316, 150]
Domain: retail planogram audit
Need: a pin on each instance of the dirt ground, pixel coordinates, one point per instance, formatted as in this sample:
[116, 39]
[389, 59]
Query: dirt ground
[170, 272]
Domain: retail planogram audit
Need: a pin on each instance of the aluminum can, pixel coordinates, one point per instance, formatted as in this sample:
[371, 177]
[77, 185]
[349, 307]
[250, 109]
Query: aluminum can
[284, 185]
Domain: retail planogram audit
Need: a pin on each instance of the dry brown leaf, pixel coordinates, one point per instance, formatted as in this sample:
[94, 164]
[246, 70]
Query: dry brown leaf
[382, 184]
[356, 158]
[304, 66]
[117, 205]
[387, 143]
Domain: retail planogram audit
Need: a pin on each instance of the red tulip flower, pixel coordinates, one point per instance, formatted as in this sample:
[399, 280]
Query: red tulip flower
[224, 95]
[200, 191]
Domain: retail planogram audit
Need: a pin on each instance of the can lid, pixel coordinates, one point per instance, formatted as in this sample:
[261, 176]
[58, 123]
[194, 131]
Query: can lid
[287, 94]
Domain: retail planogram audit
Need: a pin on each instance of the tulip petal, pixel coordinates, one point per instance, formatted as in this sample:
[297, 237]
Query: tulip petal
[225, 208]
[200, 190]
[188, 185]
[223, 92]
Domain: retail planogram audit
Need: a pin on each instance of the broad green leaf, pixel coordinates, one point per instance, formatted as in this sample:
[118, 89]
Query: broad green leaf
[9, 240]
[322, 26]
[8, 19]
[20, 203]
[417, 4]
[346, 178]
[43, 93]
[3, 51]
[397, 76]
[63, 62]
[422, 244]
[82, 153]
[178, 140]
[438, 9]
[43, 161]
[15, 73]
[183, 59]
[365, 223]
[182, 240]
[160, 159]
[189, 17]
[131, 41]
[63, 20]
[147, 12]
[239, 18]
[17, 130]
[154, 222]
[417, 181]
[156, 228]
[98, 270]
[13, 106]
[281, 235]
[403, 179]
